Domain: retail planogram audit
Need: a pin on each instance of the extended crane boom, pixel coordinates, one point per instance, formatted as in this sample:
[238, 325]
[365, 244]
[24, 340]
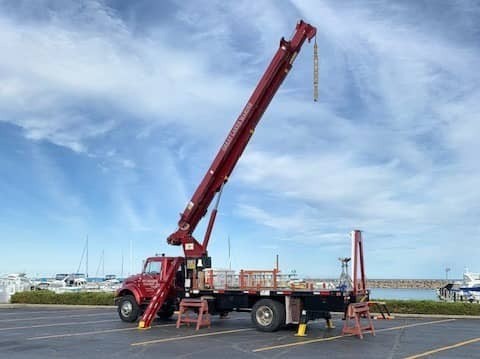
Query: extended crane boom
[235, 144]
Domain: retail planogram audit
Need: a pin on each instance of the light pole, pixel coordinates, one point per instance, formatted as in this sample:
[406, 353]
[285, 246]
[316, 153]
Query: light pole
[446, 273]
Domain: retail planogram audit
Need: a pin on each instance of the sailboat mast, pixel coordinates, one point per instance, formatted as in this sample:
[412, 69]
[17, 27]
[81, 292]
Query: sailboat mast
[131, 256]
[121, 273]
[86, 261]
[229, 257]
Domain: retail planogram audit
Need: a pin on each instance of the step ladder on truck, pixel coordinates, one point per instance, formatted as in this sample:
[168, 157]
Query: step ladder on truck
[271, 301]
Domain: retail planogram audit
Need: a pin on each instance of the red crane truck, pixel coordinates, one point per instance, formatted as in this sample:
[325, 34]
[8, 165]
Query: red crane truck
[272, 301]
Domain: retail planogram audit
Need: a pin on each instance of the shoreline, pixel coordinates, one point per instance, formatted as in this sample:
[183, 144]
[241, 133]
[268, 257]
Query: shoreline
[401, 283]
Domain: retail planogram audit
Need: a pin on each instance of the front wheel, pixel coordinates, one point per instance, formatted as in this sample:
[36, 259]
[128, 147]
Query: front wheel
[268, 315]
[128, 309]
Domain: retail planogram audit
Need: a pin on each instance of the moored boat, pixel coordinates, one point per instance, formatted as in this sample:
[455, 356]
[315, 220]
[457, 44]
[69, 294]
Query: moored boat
[466, 290]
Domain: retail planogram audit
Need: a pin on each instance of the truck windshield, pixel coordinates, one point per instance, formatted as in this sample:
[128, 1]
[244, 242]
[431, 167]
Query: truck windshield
[153, 268]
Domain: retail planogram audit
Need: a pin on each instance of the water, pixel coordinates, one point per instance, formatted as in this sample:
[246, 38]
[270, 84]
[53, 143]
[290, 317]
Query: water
[89, 279]
[405, 294]
[101, 279]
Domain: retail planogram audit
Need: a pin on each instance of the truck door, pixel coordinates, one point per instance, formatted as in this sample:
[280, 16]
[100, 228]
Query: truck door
[151, 277]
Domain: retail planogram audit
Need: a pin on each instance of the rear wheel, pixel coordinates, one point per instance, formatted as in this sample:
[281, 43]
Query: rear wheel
[128, 309]
[268, 315]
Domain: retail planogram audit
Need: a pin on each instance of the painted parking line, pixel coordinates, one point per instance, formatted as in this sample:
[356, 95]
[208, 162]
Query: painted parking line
[281, 346]
[59, 324]
[414, 325]
[62, 317]
[84, 333]
[76, 311]
[155, 341]
[93, 332]
[433, 351]
[17, 312]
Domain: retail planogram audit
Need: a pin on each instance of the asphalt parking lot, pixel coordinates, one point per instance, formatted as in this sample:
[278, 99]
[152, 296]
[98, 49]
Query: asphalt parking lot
[29, 332]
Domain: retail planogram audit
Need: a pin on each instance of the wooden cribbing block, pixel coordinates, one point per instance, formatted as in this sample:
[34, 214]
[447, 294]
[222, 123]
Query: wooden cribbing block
[355, 312]
[197, 307]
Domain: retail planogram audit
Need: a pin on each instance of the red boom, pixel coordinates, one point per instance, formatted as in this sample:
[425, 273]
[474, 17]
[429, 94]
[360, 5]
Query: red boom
[236, 142]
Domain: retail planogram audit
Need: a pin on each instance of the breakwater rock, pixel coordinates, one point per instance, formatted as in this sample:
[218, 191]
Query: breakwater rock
[406, 283]
[401, 283]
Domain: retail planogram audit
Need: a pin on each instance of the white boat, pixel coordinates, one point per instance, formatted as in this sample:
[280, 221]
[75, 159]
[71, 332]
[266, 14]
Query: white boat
[74, 282]
[468, 289]
[470, 286]
[13, 283]
[471, 281]
[77, 282]
[109, 284]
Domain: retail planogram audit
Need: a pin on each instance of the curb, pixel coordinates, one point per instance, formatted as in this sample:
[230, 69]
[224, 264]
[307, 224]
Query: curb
[79, 306]
[63, 306]
[433, 316]
[445, 316]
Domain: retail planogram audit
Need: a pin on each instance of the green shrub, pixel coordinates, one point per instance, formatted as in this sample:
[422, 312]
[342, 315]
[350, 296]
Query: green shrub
[100, 298]
[49, 297]
[432, 307]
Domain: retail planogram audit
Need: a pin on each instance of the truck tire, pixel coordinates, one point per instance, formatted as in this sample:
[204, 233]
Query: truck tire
[268, 315]
[128, 309]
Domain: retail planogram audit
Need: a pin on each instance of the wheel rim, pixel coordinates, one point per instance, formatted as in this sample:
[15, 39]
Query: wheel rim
[126, 309]
[264, 315]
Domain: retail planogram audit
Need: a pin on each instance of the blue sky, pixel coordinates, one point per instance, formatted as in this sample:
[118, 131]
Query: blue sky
[111, 111]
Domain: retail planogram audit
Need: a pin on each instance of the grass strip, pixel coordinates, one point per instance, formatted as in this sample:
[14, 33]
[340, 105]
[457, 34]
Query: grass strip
[432, 307]
[49, 297]
[100, 298]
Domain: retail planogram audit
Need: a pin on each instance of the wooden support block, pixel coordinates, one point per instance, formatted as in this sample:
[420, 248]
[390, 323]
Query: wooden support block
[355, 312]
[188, 307]
[381, 307]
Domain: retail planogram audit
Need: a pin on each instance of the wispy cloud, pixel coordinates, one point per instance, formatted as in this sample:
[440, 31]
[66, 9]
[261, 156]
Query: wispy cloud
[142, 100]
[68, 82]
[391, 150]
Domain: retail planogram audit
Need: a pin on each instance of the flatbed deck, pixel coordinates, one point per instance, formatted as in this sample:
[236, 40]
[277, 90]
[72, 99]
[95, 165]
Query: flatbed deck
[320, 301]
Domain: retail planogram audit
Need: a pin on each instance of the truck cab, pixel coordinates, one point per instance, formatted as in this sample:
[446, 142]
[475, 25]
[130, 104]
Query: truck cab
[137, 290]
